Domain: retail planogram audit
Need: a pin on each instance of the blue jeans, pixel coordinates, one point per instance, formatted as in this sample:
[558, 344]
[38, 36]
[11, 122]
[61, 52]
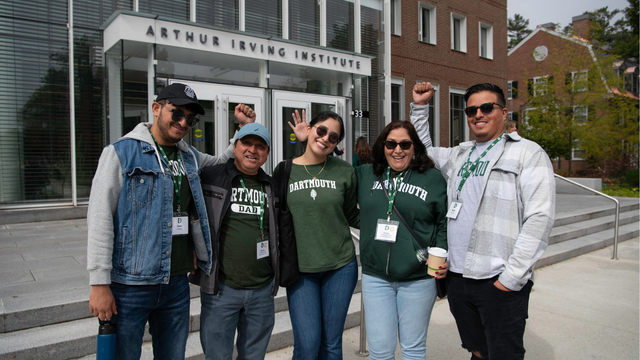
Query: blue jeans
[318, 305]
[250, 311]
[489, 320]
[166, 307]
[397, 310]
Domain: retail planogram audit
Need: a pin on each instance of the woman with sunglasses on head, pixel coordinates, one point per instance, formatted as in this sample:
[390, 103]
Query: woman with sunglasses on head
[397, 291]
[321, 196]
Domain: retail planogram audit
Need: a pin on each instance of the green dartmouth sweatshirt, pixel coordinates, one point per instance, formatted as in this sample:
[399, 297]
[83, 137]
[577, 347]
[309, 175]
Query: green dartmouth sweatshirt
[422, 201]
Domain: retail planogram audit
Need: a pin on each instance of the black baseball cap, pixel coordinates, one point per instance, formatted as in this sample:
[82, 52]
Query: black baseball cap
[181, 94]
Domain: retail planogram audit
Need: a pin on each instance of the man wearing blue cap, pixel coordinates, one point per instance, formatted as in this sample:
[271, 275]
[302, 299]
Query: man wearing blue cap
[146, 220]
[238, 294]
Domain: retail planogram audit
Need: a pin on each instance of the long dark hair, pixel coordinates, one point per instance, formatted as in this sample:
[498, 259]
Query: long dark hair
[421, 162]
[363, 150]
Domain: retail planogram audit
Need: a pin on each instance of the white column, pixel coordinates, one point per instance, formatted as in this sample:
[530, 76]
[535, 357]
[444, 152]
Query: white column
[387, 61]
[285, 19]
[241, 10]
[136, 5]
[323, 22]
[72, 109]
[114, 74]
[357, 26]
[263, 73]
[192, 10]
[151, 83]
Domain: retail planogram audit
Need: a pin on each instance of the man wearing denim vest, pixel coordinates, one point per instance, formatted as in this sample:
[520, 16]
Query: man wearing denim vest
[148, 226]
[501, 192]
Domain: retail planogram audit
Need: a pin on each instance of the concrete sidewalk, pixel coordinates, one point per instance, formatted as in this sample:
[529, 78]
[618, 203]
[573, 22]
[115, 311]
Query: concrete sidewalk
[582, 308]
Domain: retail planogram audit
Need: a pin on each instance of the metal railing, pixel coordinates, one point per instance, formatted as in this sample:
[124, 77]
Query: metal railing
[615, 229]
[362, 350]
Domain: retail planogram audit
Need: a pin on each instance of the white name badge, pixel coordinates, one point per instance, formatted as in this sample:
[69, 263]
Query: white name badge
[454, 209]
[262, 248]
[387, 230]
[180, 225]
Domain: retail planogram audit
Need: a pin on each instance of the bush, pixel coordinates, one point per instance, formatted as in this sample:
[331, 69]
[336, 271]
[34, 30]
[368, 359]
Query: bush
[632, 178]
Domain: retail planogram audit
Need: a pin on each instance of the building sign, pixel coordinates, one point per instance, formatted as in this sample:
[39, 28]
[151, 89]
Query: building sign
[154, 31]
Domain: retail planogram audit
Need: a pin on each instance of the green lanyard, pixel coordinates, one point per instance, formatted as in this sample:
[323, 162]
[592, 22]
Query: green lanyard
[392, 194]
[177, 180]
[472, 168]
[261, 215]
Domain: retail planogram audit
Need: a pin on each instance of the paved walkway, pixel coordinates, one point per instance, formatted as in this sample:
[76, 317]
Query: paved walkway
[582, 308]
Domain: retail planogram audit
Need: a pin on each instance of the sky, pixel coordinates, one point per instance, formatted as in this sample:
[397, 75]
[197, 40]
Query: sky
[558, 11]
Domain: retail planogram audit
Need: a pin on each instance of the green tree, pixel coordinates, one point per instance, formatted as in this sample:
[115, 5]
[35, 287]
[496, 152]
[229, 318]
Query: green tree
[573, 111]
[518, 29]
[621, 35]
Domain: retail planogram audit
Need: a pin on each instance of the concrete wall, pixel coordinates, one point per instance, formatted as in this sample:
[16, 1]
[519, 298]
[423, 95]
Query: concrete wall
[563, 187]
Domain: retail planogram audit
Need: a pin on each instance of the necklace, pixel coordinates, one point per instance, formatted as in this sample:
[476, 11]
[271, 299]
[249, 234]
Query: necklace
[316, 175]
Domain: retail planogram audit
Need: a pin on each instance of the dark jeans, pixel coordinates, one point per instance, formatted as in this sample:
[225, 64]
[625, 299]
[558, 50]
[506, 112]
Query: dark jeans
[165, 306]
[489, 320]
[318, 305]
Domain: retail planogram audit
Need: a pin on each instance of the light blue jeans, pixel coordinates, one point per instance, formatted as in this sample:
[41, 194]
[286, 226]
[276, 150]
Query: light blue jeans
[251, 312]
[397, 310]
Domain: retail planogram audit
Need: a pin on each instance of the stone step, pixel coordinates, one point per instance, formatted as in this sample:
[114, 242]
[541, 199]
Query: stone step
[66, 299]
[586, 227]
[570, 217]
[281, 337]
[571, 248]
[77, 337]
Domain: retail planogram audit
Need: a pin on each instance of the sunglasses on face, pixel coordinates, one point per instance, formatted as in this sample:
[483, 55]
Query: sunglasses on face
[392, 144]
[322, 132]
[486, 109]
[178, 115]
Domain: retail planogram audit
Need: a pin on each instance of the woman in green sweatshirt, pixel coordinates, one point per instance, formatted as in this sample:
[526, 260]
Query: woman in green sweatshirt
[397, 291]
[322, 193]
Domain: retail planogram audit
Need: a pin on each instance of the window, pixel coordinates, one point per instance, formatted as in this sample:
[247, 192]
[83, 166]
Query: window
[512, 115]
[577, 152]
[397, 99]
[458, 32]
[427, 23]
[526, 116]
[538, 85]
[457, 117]
[486, 41]
[580, 114]
[512, 90]
[396, 13]
[580, 80]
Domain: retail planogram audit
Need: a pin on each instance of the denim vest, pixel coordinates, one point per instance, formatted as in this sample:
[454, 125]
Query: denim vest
[143, 219]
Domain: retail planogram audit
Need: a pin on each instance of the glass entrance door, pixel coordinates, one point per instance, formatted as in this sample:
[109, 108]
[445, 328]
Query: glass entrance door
[212, 134]
[284, 105]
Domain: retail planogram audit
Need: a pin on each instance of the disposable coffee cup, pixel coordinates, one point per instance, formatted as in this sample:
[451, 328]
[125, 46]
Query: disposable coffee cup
[437, 257]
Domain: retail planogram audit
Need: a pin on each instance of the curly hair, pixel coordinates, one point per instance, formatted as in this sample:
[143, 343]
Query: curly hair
[363, 150]
[420, 162]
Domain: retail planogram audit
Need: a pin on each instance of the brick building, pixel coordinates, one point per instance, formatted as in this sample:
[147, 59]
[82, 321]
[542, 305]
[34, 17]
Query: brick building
[453, 44]
[547, 59]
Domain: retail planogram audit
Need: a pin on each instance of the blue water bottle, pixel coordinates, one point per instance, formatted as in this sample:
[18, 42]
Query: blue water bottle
[107, 339]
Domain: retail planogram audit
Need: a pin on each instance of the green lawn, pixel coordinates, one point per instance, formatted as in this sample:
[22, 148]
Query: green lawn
[621, 190]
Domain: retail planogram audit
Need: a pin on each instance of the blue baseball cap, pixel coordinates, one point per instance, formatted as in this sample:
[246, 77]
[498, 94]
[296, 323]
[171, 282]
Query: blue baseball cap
[255, 129]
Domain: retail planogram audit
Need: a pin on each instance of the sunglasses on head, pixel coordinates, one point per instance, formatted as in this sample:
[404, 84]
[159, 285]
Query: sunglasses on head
[404, 144]
[178, 115]
[486, 109]
[322, 132]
